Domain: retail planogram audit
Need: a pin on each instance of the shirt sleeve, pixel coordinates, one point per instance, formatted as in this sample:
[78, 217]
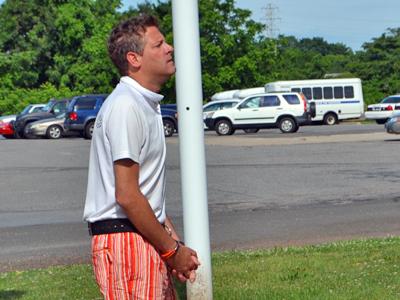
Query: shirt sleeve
[125, 131]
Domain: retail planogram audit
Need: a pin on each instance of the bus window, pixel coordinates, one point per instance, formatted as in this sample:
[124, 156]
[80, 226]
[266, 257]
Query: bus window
[297, 90]
[317, 93]
[338, 92]
[328, 92]
[307, 93]
[348, 92]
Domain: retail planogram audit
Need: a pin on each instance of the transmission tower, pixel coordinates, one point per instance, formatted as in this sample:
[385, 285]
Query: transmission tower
[271, 18]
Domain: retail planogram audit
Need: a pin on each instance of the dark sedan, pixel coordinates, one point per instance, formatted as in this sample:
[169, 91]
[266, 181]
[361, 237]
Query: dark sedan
[52, 109]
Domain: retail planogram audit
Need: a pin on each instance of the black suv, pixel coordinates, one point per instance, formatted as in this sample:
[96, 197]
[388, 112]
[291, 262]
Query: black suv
[52, 109]
[81, 113]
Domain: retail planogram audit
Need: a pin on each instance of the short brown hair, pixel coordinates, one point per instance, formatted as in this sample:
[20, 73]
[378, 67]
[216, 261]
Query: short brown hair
[126, 37]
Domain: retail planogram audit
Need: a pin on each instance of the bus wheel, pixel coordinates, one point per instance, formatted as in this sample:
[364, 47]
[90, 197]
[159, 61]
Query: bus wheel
[330, 119]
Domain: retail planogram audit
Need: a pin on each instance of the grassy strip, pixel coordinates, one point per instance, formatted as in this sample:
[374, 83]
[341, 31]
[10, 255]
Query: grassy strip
[366, 269]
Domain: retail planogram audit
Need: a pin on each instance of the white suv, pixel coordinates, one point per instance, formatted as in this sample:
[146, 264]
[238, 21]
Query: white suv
[286, 111]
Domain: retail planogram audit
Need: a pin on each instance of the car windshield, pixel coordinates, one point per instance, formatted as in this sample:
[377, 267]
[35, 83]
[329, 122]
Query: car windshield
[26, 110]
[391, 100]
[47, 107]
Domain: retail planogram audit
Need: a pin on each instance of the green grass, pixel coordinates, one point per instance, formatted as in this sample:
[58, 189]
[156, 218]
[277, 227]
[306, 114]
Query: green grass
[366, 269]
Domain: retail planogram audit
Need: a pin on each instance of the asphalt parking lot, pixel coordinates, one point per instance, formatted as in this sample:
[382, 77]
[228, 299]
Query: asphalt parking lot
[267, 189]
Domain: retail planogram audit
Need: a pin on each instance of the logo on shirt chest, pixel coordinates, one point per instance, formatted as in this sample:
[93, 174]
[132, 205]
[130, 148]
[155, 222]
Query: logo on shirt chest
[99, 121]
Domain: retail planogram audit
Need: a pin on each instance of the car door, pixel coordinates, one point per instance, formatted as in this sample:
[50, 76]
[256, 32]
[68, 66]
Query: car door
[258, 110]
[248, 112]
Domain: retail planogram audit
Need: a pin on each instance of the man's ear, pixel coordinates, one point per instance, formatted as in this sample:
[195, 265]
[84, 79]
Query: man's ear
[134, 59]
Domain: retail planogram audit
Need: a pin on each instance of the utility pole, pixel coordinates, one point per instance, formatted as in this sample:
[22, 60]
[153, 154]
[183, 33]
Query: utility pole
[270, 18]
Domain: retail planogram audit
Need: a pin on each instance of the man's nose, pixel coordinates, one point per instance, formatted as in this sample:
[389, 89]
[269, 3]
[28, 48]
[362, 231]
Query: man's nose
[170, 48]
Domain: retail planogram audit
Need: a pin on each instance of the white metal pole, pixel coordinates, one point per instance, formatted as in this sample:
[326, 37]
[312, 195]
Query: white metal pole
[191, 137]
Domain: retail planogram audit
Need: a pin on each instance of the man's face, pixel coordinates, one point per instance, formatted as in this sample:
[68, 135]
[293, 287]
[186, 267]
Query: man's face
[157, 60]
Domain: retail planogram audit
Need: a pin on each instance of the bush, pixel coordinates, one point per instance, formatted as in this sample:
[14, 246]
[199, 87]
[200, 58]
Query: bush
[13, 101]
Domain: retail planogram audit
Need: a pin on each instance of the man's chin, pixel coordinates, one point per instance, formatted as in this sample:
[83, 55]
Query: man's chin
[171, 70]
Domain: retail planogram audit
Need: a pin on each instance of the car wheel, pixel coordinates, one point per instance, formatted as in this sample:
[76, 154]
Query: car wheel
[17, 135]
[381, 121]
[288, 125]
[330, 119]
[251, 130]
[224, 127]
[54, 132]
[169, 127]
[26, 134]
[89, 130]
[8, 136]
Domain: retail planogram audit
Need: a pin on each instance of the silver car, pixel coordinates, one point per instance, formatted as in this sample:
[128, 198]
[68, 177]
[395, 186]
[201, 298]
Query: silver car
[52, 128]
[393, 124]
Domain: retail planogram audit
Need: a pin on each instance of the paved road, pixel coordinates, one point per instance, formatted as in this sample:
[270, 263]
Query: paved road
[268, 189]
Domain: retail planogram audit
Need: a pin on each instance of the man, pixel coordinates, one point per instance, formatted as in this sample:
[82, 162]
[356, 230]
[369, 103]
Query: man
[135, 248]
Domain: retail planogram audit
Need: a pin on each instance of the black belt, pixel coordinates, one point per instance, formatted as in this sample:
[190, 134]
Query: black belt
[111, 226]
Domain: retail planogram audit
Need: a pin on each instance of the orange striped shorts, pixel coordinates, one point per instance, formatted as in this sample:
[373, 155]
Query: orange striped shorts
[126, 266]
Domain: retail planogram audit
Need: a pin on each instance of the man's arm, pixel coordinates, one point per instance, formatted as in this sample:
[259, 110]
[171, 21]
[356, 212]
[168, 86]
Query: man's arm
[170, 225]
[139, 212]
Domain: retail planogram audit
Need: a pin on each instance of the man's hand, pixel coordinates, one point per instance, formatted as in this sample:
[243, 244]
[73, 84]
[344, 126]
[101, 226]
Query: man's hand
[184, 263]
[192, 275]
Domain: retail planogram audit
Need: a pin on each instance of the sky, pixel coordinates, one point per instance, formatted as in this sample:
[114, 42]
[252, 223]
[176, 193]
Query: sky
[351, 22]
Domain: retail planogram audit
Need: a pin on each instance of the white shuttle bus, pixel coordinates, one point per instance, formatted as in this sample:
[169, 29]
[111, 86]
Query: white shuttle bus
[335, 99]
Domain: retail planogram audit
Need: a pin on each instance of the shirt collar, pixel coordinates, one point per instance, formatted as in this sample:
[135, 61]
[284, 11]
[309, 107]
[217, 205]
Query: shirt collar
[147, 94]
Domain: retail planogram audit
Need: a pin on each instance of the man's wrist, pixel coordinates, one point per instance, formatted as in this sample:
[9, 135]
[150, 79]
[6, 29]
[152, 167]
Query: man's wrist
[170, 253]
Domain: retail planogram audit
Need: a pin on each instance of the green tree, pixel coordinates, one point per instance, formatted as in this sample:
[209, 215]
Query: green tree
[230, 41]
[379, 65]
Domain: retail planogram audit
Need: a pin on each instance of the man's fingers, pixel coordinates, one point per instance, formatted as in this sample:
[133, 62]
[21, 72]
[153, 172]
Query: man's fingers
[192, 252]
[178, 275]
[181, 278]
[192, 276]
[196, 261]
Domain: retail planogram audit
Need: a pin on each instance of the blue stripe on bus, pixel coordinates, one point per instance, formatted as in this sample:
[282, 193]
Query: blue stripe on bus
[337, 102]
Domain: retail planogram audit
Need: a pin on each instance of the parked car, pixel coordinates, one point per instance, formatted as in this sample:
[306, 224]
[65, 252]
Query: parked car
[32, 108]
[211, 107]
[393, 124]
[52, 128]
[286, 111]
[170, 106]
[53, 108]
[81, 114]
[7, 129]
[170, 120]
[384, 110]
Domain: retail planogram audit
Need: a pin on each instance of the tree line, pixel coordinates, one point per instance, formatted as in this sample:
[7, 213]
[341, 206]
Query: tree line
[57, 48]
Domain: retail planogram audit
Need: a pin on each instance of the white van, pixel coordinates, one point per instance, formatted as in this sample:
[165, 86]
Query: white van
[223, 95]
[335, 99]
[243, 93]
[237, 94]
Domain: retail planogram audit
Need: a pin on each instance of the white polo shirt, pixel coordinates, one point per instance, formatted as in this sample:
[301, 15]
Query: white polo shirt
[128, 125]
